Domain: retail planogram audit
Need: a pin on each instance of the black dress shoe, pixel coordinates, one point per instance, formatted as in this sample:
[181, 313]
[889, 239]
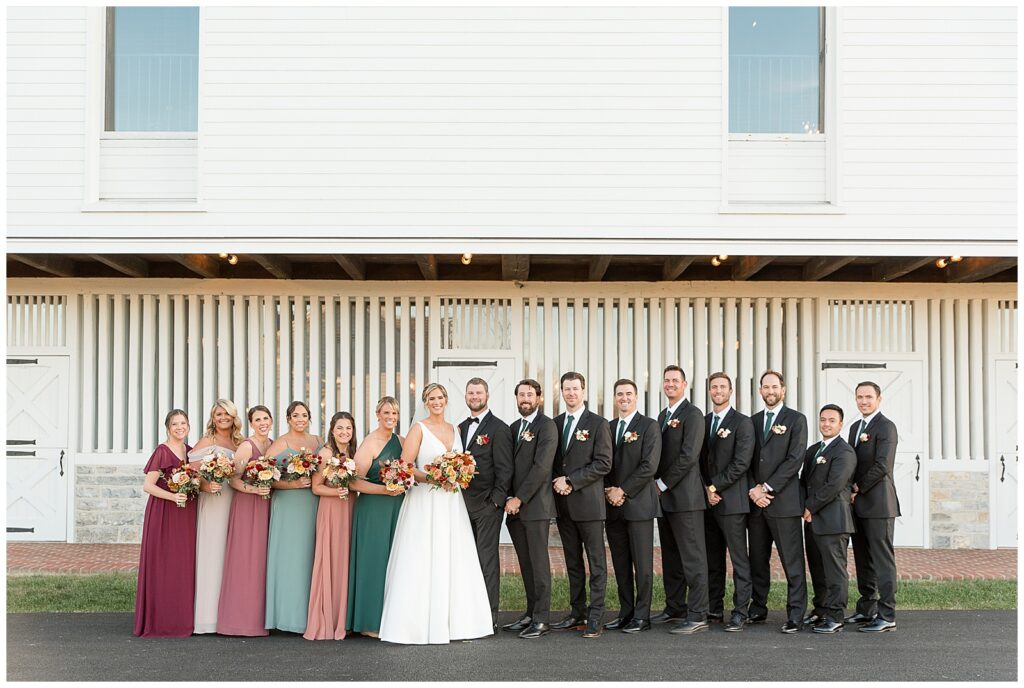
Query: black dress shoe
[615, 625]
[593, 630]
[813, 619]
[736, 623]
[665, 617]
[790, 627]
[828, 626]
[879, 625]
[518, 626]
[715, 618]
[568, 623]
[535, 630]
[636, 625]
[689, 628]
[757, 618]
[859, 618]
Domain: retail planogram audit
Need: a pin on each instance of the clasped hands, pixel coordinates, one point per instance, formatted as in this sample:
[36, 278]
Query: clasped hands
[713, 497]
[561, 486]
[615, 496]
[760, 496]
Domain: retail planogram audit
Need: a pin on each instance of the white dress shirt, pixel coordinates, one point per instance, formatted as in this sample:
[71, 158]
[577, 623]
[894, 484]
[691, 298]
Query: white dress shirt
[775, 419]
[720, 415]
[628, 419]
[575, 420]
[861, 428]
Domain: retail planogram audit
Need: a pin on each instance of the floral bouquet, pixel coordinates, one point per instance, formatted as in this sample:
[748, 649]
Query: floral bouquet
[396, 476]
[339, 471]
[452, 471]
[302, 465]
[260, 473]
[217, 469]
[182, 480]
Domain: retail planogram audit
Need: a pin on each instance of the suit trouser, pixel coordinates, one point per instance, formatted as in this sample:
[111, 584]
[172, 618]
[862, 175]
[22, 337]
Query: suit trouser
[632, 547]
[577, 535]
[684, 563]
[814, 565]
[787, 534]
[722, 532]
[487, 532]
[530, 538]
[827, 554]
[875, 560]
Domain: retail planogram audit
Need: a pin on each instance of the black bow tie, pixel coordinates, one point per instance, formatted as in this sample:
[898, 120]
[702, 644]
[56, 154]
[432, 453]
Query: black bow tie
[473, 419]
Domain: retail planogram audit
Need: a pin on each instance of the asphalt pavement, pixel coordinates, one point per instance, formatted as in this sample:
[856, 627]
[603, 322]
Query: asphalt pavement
[928, 646]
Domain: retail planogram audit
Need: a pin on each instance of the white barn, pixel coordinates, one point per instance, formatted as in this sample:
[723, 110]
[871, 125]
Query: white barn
[594, 161]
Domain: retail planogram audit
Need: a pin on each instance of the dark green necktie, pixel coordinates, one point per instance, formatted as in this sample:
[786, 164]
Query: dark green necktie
[821, 450]
[522, 431]
[620, 433]
[714, 426]
[668, 416]
[860, 431]
[565, 433]
[768, 423]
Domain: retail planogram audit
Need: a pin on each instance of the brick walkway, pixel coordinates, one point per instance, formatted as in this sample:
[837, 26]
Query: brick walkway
[912, 564]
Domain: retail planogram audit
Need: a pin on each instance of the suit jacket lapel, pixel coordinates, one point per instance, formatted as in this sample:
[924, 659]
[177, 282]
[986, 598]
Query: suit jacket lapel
[475, 430]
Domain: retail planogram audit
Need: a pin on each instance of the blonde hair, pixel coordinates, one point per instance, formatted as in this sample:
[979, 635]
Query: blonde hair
[387, 400]
[236, 426]
[430, 388]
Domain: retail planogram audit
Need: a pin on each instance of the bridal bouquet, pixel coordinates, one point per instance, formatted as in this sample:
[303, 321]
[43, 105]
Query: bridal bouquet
[339, 471]
[260, 473]
[302, 465]
[182, 480]
[396, 476]
[217, 469]
[452, 471]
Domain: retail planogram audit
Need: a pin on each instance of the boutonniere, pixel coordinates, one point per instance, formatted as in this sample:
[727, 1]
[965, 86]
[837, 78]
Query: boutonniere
[864, 437]
[630, 437]
[779, 429]
[527, 436]
[674, 423]
[724, 432]
[582, 435]
[483, 440]
[820, 459]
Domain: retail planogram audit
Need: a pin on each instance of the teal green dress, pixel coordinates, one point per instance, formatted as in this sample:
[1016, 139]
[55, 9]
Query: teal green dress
[373, 529]
[290, 548]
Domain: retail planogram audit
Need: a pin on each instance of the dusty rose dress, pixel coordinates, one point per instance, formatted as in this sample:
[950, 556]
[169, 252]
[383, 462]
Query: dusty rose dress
[212, 518]
[243, 590]
[165, 594]
[328, 595]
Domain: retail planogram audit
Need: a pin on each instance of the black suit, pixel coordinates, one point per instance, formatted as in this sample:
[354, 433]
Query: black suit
[630, 527]
[581, 513]
[724, 463]
[490, 443]
[828, 482]
[532, 457]
[684, 557]
[778, 458]
[875, 510]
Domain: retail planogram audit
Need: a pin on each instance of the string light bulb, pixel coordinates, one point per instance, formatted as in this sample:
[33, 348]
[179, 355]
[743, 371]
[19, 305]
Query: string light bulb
[233, 259]
[467, 258]
[223, 255]
[955, 259]
[723, 257]
[941, 263]
[715, 261]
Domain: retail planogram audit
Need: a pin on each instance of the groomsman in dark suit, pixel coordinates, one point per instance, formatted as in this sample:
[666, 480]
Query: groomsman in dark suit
[875, 508]
[530, 506]
[632, 507]
[724, 464]
[827, 480]
[780, 443]
[684, 556]
[487, 438]
[583, 458]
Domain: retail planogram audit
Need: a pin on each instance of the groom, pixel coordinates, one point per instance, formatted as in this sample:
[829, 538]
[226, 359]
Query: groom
[487, 438]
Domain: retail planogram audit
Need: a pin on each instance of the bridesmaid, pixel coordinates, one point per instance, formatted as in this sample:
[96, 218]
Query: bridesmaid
[223, 434]
[292, 530]
[167, 563]
[373, 526]
[328, 597]
[243, 590]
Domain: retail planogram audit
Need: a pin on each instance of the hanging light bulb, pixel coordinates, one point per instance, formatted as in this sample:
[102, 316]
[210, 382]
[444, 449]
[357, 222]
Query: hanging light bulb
[723, 257]
[233, 259]
[955, 259]
[223, 255]
[467, 258]
[941, 263]
[715, 261]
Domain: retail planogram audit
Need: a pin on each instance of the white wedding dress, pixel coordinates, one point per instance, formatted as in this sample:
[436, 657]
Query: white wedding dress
[434, 591]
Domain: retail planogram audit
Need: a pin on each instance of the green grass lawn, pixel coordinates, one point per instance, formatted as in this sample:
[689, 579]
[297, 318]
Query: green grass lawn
[115, 592]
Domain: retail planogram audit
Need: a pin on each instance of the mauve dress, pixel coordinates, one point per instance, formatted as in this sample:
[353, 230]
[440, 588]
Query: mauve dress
[211, 536]
[165, 594]
[243, 589]
[328, 595]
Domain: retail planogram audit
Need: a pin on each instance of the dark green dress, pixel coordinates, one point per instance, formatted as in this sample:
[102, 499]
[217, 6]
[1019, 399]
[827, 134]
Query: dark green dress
[373, 529]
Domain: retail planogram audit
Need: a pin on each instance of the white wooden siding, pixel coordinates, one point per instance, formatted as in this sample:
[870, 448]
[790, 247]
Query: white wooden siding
[148, 169]
[777, 171]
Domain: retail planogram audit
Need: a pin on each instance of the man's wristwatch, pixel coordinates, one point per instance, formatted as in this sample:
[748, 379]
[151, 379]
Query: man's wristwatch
[712, 489]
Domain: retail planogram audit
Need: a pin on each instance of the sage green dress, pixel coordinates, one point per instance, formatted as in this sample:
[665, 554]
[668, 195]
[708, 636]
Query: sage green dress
[290, 548]
[373, 529]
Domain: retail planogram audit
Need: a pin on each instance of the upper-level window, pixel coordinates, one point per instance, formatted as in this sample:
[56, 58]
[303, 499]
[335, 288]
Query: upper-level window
[776, 70]
[152, 69]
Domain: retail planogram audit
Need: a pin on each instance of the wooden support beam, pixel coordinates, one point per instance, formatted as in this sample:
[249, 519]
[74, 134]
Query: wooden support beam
[748, 266]
[515, 267]
[598, 266]
[428, 266]
[200, 263]
[353, 265]
[974, 269]
[278, 266]
[823, 266]
[126, 265]
[675, 266]
[55, 265]
[885, 272]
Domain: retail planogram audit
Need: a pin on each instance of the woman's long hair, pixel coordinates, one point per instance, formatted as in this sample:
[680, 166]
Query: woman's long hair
[349, 449]
[236, 426]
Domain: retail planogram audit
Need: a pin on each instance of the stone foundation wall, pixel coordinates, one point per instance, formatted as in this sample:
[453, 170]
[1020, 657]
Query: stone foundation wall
[109, 504]
[959, 510]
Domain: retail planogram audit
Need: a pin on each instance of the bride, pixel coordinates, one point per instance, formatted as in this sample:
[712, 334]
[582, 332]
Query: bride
[434, 591]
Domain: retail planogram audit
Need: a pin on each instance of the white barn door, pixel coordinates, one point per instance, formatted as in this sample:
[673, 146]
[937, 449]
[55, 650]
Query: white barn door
[36, 445]
[1004, 460]
[903, 402]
